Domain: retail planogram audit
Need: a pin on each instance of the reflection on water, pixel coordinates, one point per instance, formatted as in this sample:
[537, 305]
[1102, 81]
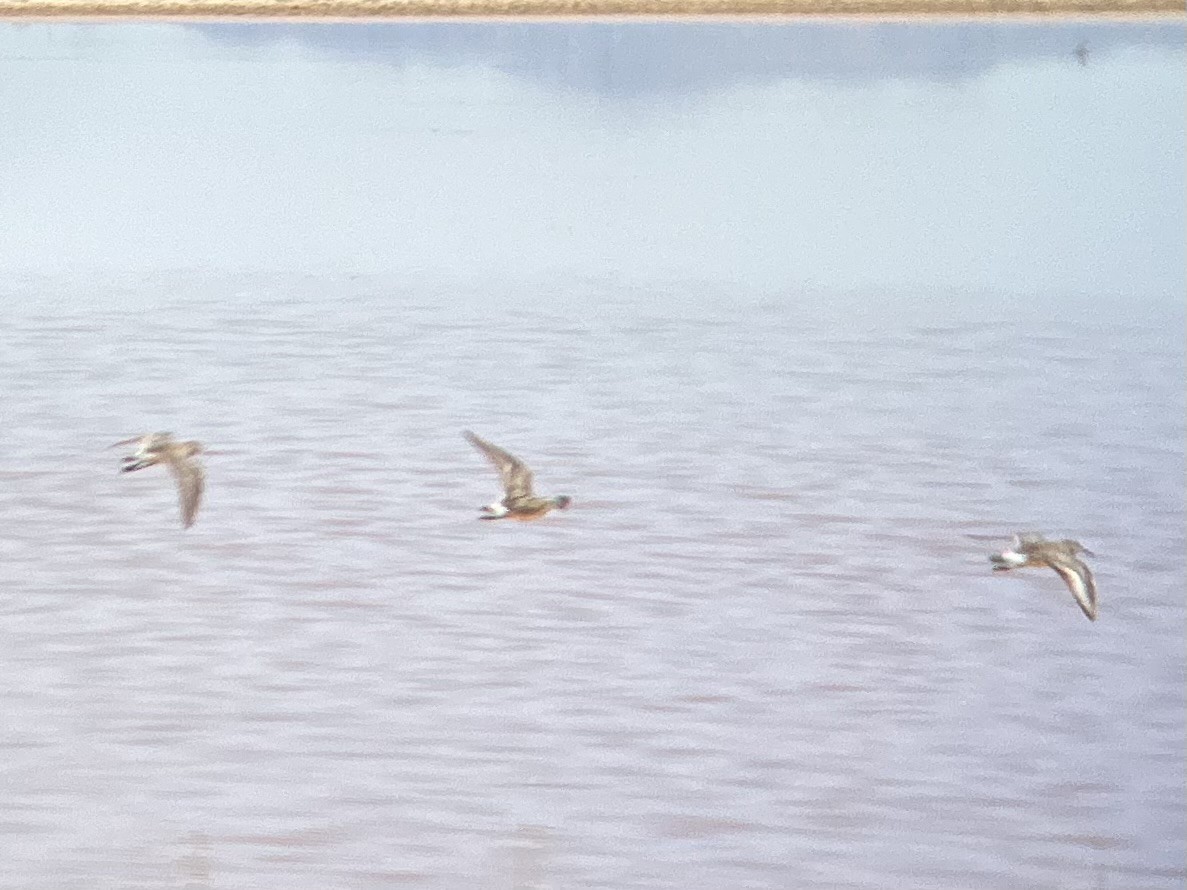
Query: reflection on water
[1033, 174]
[638, 60]
[763, 649]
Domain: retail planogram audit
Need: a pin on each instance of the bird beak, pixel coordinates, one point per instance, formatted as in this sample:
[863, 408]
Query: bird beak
[125, 442]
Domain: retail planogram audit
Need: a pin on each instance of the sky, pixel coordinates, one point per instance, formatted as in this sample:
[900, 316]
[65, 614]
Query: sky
[844, 157]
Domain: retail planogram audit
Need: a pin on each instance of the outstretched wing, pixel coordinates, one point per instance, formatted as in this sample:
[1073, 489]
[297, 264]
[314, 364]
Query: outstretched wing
[515, 476]
[145, 441]
[1080, 582]
[191, 481]
[1028, 539]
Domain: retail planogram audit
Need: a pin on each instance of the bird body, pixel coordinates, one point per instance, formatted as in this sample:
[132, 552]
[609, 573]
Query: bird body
[180, 458]
[1031, 550]
[519, 501]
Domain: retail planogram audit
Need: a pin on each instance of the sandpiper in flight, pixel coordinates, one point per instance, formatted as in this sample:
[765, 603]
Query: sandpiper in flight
[180, 457]
[518, 502]
[1063, 556]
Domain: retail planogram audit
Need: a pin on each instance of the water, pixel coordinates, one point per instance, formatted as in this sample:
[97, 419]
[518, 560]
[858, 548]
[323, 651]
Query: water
[763, 649]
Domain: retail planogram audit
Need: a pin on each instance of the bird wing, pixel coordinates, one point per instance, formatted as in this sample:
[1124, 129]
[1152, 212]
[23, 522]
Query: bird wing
[191, 481]
[1027, 539]
[1080, 582]
[515, 476]
[146, 441]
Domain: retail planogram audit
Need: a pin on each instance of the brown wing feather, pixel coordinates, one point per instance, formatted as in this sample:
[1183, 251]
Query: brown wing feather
[515, 476]
[1080, 582]
[191, 481]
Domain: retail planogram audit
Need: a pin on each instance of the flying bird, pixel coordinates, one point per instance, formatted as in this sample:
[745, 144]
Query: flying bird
[1033, 550]
[519, 501]
[180, 457]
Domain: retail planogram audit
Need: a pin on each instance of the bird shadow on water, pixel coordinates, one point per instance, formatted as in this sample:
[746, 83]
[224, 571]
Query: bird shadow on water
[195, 866]
[525, 857]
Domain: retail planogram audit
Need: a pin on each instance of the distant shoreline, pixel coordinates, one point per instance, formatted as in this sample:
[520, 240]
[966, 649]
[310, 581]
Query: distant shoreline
[619, 10]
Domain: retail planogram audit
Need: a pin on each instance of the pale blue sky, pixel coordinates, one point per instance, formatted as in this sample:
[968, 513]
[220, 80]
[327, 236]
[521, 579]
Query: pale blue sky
[859, 157]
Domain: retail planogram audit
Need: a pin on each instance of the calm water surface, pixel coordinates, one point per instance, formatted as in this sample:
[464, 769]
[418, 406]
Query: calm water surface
[764, 648]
